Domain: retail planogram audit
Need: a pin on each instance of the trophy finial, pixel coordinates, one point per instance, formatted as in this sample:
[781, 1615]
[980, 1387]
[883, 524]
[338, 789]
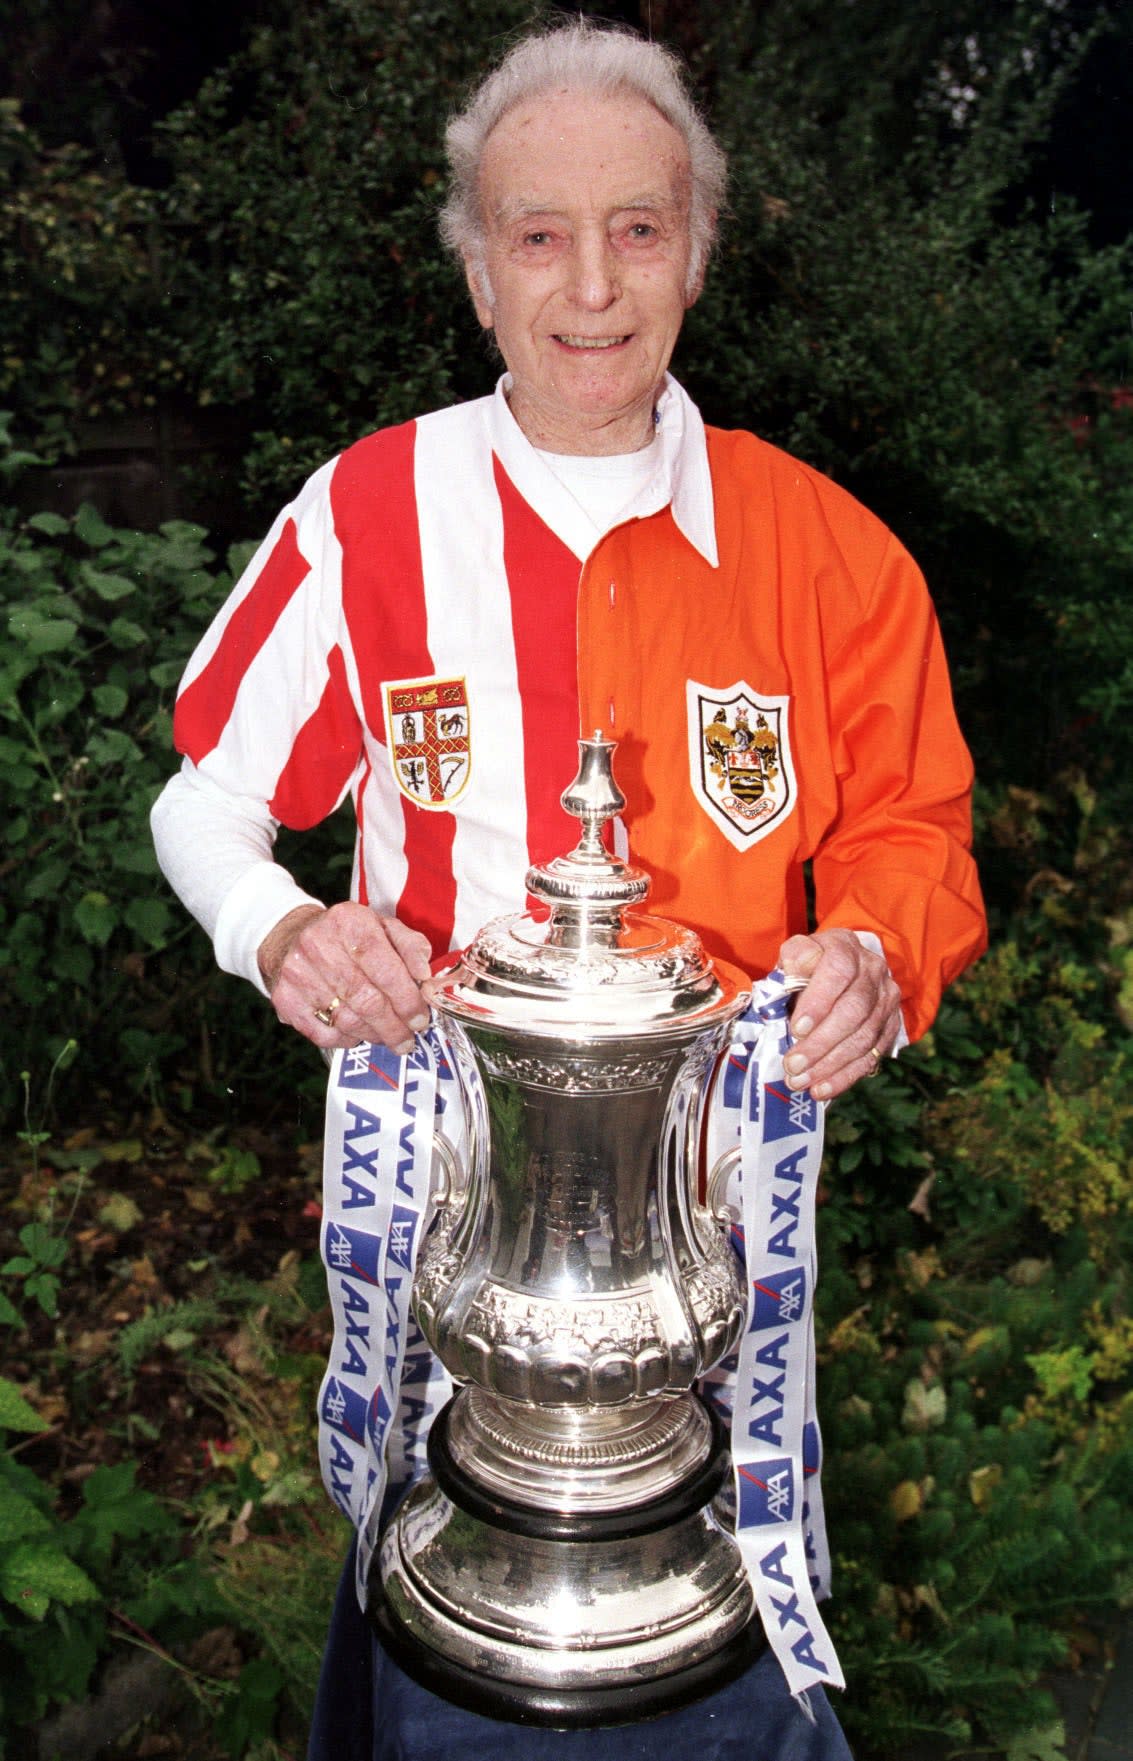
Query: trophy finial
[594, 796]
[588, 889]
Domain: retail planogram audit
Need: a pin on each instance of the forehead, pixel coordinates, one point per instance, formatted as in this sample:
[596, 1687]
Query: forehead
[569, 149]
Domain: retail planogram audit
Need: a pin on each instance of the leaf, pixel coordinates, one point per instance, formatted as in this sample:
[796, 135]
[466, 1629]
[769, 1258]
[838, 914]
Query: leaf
[924, 1408]
[906, 1500]
[42, 635]
[19, 1517]
[110, 700]
[35, 1574]
[982, 1482]
[124, 633]
[180, 1339]
[109, 587]
[1044, 1743]
[119, 1213]
[96, 918]
[15, 1413]
[150, 919]
[52, 525]
[92, 528]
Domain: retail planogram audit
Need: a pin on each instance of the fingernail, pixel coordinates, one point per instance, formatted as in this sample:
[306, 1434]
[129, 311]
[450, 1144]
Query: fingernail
[794, 1082]
[802, 1026]
[419, 1022]
[405, 1048]
[821, 1091]
[795, 1062]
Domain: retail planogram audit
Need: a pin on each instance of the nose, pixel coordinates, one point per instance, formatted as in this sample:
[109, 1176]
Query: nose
[596, 280]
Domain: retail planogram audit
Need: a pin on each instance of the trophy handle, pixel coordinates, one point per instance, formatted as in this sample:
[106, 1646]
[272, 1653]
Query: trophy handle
[444, 1179]
[722, 1211]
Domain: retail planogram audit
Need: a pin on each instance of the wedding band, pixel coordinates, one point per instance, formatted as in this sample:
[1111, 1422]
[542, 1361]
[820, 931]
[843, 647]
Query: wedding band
[326, 1016]
[876, 1056]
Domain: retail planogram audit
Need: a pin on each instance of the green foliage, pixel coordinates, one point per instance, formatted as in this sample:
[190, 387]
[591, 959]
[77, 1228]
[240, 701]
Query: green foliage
[78, 285]
[38, 1267]
[329, 316]
[60, 1572]
[888, 303]
[97, 626]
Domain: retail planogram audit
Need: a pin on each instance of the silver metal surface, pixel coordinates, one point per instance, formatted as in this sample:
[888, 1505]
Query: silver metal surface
[577, 1287]
[572, 1615]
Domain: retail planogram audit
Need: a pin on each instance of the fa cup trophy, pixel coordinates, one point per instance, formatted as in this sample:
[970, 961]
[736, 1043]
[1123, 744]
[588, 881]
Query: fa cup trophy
[565, 1561]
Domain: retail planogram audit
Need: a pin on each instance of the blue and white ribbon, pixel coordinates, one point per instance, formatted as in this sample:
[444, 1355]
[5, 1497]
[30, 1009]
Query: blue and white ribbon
[768, 1388]
[383, 1386]
[383, 1113]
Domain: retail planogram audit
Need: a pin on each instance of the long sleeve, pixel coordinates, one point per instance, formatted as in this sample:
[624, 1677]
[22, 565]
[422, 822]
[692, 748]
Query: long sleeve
[215, 850]
[898, 860]
[267, 721]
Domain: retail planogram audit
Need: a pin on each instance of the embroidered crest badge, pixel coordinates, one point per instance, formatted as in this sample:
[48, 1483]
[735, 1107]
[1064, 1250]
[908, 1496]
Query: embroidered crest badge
[429, 731]
[740, 759]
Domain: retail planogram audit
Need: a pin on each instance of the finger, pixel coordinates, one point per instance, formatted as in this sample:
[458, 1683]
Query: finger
[412, 946]
[344, 963]
[370, 1017]
[852, 1056]
[828, 1085]
[831, 965]
[383, 977]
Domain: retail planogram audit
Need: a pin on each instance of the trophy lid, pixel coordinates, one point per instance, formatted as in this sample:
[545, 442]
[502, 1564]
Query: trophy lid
[587, 965]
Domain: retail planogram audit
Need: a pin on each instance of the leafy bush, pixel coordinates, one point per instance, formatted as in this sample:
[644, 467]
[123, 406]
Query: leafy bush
[102, 969]
[976, 1347]
[62, 1575]
[79, 295]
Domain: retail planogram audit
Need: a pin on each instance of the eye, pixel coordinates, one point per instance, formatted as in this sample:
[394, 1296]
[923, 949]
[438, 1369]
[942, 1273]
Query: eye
[537, 238]
[642, 229]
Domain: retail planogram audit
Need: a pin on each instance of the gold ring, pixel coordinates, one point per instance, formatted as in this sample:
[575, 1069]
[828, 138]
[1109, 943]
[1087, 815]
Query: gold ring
[876, 1056]
[326, 1016]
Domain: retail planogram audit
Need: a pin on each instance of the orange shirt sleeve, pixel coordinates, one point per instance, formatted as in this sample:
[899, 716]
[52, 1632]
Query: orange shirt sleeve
[897, 859]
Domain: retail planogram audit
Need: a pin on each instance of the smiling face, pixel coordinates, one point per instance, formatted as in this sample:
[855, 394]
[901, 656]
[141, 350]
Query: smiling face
[585, 277]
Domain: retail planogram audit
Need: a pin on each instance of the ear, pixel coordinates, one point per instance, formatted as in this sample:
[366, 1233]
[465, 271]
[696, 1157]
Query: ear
[477, 278]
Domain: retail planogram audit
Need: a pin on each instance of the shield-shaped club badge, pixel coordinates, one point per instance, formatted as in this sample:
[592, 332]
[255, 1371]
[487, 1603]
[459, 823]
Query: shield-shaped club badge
[740, 759]
[429, 732]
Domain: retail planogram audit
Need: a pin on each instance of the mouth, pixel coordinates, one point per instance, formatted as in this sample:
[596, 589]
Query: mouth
[591, 342]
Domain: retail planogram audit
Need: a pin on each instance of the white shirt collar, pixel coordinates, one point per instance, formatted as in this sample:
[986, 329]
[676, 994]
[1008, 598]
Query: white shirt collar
[681, 478]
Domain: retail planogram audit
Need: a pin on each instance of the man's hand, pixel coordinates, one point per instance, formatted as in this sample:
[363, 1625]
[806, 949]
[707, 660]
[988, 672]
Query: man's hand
[345, 974]
[846, 1020]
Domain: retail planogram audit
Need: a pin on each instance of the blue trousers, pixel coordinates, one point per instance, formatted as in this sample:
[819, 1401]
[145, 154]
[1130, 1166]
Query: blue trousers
[369, 1710]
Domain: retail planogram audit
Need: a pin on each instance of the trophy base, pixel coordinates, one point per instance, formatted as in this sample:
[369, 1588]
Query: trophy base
[564, 1619]
[554, 1708]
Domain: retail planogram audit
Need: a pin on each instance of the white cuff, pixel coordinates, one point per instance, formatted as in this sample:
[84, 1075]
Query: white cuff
[261, 898]
[869, 940]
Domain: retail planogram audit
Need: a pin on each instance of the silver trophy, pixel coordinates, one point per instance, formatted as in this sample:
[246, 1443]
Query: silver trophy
[566, 1561]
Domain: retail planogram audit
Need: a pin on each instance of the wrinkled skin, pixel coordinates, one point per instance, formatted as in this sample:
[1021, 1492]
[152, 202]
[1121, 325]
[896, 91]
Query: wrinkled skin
[846, 1020]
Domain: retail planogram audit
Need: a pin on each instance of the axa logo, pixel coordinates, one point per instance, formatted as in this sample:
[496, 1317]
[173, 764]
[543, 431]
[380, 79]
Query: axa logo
[778, 1298]
[789, 1113]
[766, 1492]
[354, 1252]
[343, 1409]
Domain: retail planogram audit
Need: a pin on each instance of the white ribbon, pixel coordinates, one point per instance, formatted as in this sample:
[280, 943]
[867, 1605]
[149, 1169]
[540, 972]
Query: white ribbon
[383, 1113]
[767, 1390]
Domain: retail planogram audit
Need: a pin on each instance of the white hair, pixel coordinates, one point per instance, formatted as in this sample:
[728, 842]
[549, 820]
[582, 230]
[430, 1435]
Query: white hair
[596, 59]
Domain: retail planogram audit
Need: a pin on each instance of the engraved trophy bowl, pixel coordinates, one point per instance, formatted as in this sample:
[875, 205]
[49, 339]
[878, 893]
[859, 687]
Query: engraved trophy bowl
[564, 1562]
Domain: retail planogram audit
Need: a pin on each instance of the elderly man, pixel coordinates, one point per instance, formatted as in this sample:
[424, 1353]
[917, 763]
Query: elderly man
[578, 552]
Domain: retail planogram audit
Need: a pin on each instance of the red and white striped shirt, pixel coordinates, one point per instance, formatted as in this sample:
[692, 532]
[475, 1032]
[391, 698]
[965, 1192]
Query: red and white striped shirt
[448, 552]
